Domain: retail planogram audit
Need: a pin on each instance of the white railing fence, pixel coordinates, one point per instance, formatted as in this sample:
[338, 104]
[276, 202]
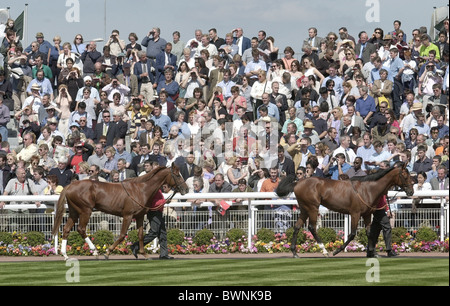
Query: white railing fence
[256, 211]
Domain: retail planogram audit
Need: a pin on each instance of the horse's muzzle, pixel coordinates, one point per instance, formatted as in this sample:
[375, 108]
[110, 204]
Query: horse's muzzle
[409, 193]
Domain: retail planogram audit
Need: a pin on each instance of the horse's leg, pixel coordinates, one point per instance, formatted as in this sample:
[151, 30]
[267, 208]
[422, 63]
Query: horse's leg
[367, 222]
[298, 225]
[140, 226]
[312, 228]
[123, 232]
[84, 219]
[354, 227]
[66, 231]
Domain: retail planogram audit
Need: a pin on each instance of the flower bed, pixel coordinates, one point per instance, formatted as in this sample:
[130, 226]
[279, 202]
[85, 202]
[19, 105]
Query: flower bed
[20, 246]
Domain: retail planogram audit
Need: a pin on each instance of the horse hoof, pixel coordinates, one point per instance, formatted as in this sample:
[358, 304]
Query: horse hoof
[106, 256]
[337, 251]
[326, 255]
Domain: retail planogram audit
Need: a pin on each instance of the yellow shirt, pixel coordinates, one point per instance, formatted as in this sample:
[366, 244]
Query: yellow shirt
[58, 190]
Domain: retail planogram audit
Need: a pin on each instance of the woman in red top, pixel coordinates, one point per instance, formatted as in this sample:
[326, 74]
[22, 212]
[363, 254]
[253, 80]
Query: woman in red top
[82, 153]
[235, 101]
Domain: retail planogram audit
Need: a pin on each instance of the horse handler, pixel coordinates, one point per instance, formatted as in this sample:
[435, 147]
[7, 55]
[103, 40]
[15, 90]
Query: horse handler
[380, 223]
[157, 227]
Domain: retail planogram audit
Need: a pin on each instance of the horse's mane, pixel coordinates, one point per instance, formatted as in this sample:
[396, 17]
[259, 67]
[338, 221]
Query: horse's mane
[146, 177]
[372, 177]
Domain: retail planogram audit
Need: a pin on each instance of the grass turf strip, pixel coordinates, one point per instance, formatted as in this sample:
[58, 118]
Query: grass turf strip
[230, 272]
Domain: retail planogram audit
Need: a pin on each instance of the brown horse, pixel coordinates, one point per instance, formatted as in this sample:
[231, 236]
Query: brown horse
[129, 199]
[357, 197]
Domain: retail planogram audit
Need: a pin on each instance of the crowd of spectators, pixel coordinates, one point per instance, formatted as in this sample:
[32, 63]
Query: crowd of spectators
[234, 113]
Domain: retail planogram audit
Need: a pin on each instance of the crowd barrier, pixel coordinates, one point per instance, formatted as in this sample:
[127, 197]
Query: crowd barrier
[257, 210]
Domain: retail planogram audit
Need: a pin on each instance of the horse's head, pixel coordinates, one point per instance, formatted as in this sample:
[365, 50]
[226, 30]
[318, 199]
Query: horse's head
[405, 181]
[175, 180]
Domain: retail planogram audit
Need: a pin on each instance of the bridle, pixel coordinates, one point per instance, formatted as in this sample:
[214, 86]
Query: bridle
[404, 182]
[176, 190]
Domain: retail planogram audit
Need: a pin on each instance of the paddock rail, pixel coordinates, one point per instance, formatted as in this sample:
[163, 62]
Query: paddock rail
[252, 199]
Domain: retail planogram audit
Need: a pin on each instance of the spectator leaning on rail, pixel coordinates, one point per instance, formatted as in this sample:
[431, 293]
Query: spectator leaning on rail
[220, 186]
[20, 185]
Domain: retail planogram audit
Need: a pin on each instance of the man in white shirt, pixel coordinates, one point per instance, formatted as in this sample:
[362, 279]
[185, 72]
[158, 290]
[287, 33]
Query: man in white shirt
[116, 86]
[344, 148]
[226, 84]
[195, 42]
[88, 83]
[205, 44]
[20, 185]
[255, 66]
[405, 108]
[410, 120]
[34, 99]
[99, 158]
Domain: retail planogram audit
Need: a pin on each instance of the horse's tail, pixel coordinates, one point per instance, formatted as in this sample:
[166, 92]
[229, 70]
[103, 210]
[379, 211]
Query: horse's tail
[286, 186]
[59, 212]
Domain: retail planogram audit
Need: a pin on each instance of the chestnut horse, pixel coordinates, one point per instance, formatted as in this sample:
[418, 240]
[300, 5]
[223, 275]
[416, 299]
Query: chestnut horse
[357, 197]
[129, 199]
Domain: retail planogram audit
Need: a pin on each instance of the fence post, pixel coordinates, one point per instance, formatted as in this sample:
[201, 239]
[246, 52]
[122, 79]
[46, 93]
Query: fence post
[444, 220]
[57, 233]
[250, 225]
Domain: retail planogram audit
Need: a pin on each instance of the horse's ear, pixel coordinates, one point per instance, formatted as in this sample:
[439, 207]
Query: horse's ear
[175, 169]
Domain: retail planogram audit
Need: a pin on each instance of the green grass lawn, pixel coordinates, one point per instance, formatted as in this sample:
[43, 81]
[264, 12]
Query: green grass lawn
[230, 272]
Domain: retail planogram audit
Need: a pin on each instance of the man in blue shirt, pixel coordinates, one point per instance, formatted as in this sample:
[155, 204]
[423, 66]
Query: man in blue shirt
[365, 105]
[341, 167]
[253, 67]
[396, 64]
[338, 82]
[375, 72]
[395, 71]
[367, 150]
[379, 156]
[44, 47]
[443, 129]
[272, 109]
[226, 84]
[161, 120]
[43, 83]
[154, 43]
